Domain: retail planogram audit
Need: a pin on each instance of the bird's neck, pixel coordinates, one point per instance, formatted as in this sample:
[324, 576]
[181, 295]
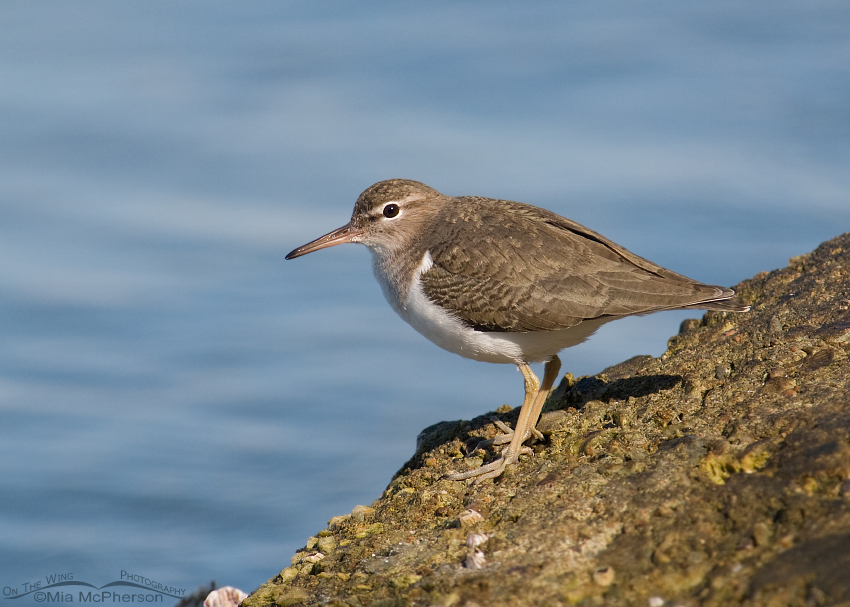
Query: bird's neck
[396, 271]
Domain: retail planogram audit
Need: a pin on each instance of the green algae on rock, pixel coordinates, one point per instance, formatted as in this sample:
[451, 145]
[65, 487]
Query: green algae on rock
[717, 474]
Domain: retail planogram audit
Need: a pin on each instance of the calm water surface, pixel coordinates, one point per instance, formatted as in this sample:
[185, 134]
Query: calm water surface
[179, 402]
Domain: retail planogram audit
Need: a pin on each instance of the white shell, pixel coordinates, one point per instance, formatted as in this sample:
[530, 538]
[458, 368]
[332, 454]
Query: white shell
[469, 517]
[226, 596]
[474, 540]
[475, 560]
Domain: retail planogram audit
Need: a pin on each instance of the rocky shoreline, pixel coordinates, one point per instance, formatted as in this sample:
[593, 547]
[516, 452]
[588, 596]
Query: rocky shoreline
[717, 474]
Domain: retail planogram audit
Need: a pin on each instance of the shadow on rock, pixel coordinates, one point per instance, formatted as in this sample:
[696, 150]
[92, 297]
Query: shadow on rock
[587, 389]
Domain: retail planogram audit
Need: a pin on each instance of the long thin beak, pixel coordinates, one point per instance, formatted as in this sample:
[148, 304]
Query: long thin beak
[339, 236]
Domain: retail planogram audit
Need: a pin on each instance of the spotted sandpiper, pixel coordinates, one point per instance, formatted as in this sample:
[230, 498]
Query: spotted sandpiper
[505, 282]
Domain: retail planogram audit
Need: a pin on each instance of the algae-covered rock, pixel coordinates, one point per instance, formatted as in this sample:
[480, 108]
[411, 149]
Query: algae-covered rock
[718, 474]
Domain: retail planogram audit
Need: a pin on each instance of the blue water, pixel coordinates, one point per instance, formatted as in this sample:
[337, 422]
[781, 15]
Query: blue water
[177, 401]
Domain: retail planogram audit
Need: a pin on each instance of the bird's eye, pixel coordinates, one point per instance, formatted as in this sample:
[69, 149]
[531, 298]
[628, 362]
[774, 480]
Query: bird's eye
[391, 210]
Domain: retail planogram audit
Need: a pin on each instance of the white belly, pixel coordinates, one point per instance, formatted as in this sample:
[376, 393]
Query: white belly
[448, 332]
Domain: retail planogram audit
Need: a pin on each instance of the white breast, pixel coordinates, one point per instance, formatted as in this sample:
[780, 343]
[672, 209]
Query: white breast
[447, 331]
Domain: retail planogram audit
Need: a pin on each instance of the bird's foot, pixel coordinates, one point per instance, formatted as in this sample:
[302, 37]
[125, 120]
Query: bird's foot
[506, 437]
[535, 396]
[491, 470]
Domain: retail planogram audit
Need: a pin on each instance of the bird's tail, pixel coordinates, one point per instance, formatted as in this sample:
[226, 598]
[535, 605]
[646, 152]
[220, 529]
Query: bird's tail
[727, 302]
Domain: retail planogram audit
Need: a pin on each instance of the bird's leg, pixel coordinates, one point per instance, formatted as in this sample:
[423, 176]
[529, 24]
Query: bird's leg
[550, 374]
[535, 395]
[532, 385]
[496, 467]
[530, 412]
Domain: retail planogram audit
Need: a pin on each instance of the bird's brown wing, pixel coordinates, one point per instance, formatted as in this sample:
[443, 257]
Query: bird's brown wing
[531, 269]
